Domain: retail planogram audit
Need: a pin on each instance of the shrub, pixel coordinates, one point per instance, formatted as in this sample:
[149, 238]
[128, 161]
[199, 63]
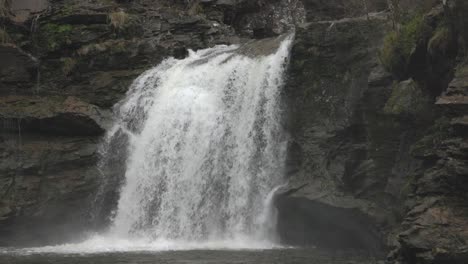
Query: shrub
[68, 65]
[440, 41]
[409, 100]
[118, 19]
[399, 45]
[55, 35]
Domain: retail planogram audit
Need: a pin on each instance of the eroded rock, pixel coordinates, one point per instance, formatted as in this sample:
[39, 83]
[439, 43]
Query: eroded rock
[51, 115]
[19, 69]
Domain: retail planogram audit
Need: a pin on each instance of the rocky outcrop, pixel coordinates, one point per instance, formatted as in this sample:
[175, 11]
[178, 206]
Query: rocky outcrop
[436, 222]
[52, 115]
[48, 168]
[44, 183]
[332, 153]
[386, 143]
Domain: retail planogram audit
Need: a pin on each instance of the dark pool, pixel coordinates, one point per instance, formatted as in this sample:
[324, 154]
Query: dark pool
[276, 256]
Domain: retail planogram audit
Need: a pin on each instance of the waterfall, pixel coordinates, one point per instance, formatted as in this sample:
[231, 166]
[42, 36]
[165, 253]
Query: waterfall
[205, 151]
[206, 146]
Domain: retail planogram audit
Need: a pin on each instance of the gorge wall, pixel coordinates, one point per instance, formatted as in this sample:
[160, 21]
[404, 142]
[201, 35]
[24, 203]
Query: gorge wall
[377, 128]
[378, 151]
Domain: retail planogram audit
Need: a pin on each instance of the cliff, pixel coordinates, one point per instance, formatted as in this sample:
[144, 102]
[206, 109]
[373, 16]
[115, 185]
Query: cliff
[376, 120]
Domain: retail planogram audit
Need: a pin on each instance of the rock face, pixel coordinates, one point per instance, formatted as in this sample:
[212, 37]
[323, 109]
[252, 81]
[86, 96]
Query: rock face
[373, 149]
[330, 65]
[378, 153]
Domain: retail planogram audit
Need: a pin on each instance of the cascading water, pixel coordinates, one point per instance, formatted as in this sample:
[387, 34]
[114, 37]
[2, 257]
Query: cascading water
[206, 150]
[206, 146]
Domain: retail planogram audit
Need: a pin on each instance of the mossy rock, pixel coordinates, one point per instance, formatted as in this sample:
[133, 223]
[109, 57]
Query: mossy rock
[54, 36]
[408, 100]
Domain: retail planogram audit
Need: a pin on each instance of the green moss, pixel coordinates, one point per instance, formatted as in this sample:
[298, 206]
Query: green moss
[398, 45]
[407, 99]
[59, 28]
[55, 35]
[67, 9]
[440, 40]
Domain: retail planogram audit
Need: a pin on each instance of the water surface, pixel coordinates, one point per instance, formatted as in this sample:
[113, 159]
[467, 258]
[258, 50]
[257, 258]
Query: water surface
[276, 256]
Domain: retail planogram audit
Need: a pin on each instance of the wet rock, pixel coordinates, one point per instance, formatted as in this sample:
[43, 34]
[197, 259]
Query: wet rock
[305, 222]
[62, 116]
[352, 157]
[263, 47]
[19, 69]
[45, 182]
[328, 78]
[272, 19]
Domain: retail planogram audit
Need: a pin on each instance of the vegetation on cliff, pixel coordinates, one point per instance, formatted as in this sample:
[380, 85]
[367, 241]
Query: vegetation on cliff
[55, 35]
[400, 44]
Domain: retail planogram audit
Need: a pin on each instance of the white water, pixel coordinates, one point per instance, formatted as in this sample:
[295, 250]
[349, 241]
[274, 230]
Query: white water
[206, 151]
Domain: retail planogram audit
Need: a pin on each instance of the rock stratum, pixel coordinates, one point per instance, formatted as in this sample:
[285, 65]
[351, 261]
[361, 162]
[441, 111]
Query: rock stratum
[378, 156]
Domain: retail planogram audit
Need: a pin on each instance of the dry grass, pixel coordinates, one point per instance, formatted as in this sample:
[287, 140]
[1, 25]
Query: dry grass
[68, 65]
[4, 37]
[4, 7]
[195, 8]
[118, 19]
[398, 45]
